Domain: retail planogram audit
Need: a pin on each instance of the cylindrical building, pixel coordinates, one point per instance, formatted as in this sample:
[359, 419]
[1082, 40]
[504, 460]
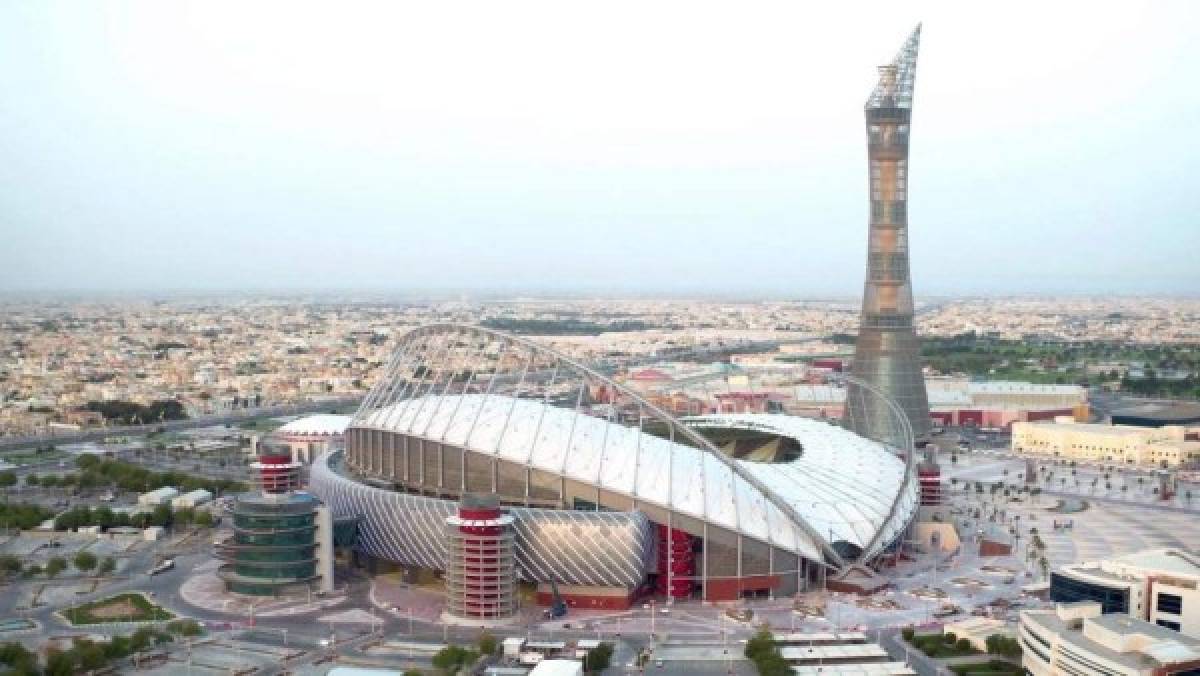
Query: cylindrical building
[481, 569]
[277, 533]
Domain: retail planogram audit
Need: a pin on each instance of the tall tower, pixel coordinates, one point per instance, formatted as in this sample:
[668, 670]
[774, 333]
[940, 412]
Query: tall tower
[887, 354]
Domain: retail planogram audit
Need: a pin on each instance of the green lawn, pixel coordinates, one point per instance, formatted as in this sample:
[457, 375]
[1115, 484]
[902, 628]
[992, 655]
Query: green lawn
[130, 607]
[934, 645]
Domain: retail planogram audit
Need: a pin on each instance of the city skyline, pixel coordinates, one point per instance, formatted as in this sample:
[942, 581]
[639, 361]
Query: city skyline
[241, 157]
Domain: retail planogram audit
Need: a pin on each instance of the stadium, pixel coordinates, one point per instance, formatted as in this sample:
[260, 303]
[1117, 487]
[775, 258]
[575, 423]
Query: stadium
[609, 496]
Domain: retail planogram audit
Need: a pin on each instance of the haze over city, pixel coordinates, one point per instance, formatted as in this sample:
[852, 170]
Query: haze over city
[549, 149]
[558, 340]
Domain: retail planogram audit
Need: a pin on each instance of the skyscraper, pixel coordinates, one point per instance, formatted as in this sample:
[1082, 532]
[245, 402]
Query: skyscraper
[887, 354]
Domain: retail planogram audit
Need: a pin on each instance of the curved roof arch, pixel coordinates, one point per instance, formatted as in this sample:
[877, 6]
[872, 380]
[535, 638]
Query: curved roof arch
[508, 396]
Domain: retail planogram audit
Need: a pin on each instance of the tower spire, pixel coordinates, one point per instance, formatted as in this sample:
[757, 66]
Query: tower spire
[887, 352]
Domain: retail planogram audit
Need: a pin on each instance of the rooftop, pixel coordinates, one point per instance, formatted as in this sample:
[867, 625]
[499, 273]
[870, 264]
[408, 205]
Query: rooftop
[1116, 637]
[1173, 561]
[325, 424]
[1184, 411]
[842, 485]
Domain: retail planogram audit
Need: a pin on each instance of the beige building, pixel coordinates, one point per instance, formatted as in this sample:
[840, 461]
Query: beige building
[1149, 446]
[978, 629]
[1076, 638]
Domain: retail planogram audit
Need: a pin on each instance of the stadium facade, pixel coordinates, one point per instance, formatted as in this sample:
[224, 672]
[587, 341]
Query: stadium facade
[609, 495]
[887, 352]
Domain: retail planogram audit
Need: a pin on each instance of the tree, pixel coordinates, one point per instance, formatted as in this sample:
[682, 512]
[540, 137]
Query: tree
[8, 479]
[451, 658]
[161, 516]
[598, 659]
[761, 650]
[203, 518]
[1005, 646]
[55, 566]
[85, 561]
[107, 565]
[59, 663]
[185, 628]
[10, 565]
[487, 644]
[20, 661]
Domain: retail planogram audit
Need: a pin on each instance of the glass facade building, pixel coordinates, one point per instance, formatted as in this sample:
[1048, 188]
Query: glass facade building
[273, 546]
[1068, 589]
[282, 539]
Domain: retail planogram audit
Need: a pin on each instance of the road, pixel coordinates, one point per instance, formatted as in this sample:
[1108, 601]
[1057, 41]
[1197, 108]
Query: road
[344, 403]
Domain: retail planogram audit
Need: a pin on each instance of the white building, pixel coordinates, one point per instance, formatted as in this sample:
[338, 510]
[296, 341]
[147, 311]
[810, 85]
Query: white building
[192, 499]
[1159, 586]
[160, 496]
[558, 668]
[312, 435]
[1077, 639]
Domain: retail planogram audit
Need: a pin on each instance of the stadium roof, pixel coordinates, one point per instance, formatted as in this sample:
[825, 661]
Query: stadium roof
[842, 485]
[325, 424]
[513, 398]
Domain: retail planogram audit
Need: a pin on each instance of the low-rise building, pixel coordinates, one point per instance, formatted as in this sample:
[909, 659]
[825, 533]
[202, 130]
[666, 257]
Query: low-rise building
[1078, 638]
[558, 668]
[1160, 586]
[978, 629]
[1160, 447]
[192, 499]
[159, 496]
[998, 404]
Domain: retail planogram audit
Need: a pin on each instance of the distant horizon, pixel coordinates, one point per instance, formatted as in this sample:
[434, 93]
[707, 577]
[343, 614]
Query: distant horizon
[529, 295]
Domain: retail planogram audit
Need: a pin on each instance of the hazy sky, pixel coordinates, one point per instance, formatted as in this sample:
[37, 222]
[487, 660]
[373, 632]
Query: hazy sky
[610, 147]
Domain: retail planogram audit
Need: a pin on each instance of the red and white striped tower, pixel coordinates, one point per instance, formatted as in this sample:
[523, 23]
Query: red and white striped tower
[276, 473]
[480, 566]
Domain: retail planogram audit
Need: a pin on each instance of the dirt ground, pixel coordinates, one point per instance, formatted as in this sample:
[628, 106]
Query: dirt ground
[115, 611]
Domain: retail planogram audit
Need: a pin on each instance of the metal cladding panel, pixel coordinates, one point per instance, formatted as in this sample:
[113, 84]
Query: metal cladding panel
[887, 352]
[570, 547]
[842, 484]
[513, 399]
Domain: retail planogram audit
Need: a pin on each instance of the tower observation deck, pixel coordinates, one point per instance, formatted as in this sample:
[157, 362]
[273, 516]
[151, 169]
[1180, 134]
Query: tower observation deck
[887, 354]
